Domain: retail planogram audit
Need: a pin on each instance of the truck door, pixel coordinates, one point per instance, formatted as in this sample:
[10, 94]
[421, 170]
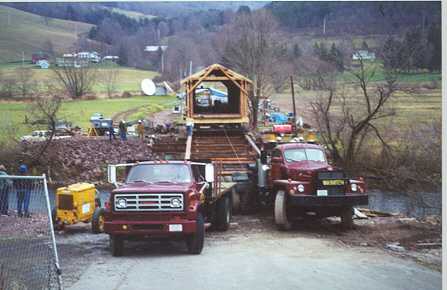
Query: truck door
[277, 161]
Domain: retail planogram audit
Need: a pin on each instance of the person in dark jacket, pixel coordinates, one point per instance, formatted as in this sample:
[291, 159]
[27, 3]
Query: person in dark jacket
[111, 132]
[23, 190]
[5, 186]
[123, 130]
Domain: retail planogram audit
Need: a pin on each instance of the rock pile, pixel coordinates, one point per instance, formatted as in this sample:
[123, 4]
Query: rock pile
[86, 159]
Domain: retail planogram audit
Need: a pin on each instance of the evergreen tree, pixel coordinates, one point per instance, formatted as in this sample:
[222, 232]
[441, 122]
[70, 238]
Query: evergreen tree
[391, 54]
[365, 45]
[435, 43]
[297, 51]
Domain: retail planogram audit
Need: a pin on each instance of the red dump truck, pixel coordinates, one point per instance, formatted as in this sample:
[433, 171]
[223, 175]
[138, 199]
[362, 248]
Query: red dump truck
[301, 182]
[166, 199]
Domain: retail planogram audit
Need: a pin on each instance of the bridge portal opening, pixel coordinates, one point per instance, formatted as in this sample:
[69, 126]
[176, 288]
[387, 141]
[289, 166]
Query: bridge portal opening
[216, 98]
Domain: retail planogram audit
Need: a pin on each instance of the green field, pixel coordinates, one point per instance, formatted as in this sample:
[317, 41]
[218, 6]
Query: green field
[128, 79]
[79, 112]
[26, 32]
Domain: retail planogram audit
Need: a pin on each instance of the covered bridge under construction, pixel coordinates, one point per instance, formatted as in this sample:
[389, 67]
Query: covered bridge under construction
[220, 132]
[204, 109]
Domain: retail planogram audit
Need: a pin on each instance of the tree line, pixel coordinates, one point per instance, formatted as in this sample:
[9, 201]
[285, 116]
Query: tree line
[417, 50]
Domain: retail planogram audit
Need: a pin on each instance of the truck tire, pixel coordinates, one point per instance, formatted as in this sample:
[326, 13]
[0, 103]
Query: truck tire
[223, 213]
[98, 221]
[281, 220]
[57, 226]
[346, 218]
[236, 200]
[195, 241]
[116, 245]
[54, 215]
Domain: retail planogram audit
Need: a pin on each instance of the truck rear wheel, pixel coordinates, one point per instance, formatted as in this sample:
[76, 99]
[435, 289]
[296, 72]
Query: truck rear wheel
[236, 200]
[281, 220]
[223, 213]
[195, 241]
[98, 221]
[116, 245]
[346, 218]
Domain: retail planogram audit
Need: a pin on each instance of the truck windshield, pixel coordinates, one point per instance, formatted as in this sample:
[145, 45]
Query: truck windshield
[153, 173]
[293, 155]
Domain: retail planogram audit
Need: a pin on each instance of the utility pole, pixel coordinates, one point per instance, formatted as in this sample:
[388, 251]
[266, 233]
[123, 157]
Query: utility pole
[190, 67]
[324, 25]
[293, 101]
[162, 61]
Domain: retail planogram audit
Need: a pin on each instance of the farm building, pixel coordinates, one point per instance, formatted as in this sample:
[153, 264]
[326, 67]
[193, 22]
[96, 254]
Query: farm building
[364, 55]
[38, 56]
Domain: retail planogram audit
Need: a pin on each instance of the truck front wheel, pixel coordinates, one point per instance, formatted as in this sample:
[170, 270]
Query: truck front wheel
[98, 221]
[223, 213]
[346, 218]
[116, 245]
[195, 241]
[281, 220]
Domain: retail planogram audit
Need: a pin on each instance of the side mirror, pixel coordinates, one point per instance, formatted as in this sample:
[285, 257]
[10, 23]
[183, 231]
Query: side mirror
[209, 173]
[111, 174]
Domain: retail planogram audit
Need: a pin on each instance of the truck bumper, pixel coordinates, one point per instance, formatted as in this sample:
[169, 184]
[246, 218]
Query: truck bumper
[328, 201]
[150, 228]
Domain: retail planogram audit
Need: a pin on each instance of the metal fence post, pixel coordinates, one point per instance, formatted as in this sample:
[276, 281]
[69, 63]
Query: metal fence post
[53, 237]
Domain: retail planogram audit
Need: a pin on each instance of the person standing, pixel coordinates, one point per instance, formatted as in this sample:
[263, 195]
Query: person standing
[111, 131]
[23, 193]
[123, 130]
[140, 129]
[4, 192]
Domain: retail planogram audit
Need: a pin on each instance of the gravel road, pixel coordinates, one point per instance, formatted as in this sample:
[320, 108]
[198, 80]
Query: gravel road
[251, 255]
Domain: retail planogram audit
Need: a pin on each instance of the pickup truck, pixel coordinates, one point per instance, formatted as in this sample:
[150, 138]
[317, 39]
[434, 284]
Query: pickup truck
[302, 183]
[166, 199]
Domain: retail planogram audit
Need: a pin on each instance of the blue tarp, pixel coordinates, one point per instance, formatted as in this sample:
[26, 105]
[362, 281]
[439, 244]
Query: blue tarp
[278, 118]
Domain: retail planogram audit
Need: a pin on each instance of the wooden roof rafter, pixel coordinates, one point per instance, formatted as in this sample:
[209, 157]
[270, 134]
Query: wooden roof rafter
[202, 75]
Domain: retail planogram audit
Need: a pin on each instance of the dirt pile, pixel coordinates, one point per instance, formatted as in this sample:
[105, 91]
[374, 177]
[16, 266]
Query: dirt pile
[85, 159]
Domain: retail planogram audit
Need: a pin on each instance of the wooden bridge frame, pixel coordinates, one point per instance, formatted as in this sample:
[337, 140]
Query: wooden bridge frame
[213, 73]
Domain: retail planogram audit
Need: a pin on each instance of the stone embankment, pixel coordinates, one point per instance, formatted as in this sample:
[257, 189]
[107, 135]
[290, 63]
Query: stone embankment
[85, 159]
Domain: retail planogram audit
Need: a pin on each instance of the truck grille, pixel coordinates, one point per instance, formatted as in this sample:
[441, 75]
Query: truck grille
[149, 201]
[338, 189]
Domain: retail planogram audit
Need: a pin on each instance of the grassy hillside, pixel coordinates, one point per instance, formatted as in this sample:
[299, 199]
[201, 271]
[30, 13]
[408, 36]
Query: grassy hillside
[128, 79]
[27, 32]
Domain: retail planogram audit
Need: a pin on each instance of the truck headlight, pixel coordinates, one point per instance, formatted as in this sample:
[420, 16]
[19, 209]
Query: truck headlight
[354, 187]
[300, 188]
[175, 202]
[121, 203]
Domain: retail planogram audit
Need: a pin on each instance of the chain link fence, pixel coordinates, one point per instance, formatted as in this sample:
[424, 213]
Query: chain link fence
[28, 254]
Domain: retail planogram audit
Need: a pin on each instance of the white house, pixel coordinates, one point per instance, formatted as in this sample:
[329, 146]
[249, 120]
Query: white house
[155, 48]
[364, 55]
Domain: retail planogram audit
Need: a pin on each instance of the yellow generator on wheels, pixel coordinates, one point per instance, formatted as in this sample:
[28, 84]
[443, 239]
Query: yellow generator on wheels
[76, 203]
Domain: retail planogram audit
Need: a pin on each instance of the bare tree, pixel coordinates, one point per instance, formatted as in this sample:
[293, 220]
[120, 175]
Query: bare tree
[24, 82]
[251, 47]
[108, 78]
[76, 78]
[44, 111]
[346, 122]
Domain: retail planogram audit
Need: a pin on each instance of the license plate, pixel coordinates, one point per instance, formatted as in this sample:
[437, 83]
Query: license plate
[334, 182]
[321, 192]
[175, 228]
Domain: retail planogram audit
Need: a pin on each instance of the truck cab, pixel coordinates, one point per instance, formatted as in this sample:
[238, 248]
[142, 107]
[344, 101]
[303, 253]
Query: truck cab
[164, 199]
[305, 184]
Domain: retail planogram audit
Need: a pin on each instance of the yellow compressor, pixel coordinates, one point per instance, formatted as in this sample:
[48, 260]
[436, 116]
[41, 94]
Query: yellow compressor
[76, 203]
